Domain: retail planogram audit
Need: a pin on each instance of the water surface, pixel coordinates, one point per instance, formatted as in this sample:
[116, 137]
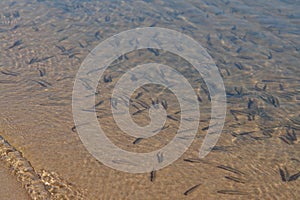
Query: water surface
[255, 46]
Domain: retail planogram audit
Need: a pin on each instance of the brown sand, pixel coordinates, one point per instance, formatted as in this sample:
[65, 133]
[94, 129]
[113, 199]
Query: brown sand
[12, 188]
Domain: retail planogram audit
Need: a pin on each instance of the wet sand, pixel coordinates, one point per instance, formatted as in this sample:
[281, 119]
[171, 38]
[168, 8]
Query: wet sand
[10, 187]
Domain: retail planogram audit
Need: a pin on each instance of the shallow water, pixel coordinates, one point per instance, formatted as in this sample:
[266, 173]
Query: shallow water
[255, 46]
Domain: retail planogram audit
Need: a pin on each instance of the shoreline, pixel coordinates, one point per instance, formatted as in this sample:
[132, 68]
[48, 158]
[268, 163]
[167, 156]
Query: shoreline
[41, 185]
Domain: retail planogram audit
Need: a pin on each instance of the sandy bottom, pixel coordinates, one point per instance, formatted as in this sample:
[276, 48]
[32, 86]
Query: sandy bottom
[255, 45]
[10, 187]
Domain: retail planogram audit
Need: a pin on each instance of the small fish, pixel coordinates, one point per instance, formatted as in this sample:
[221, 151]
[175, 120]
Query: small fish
[260, 89]
[98, 104]
[152, 175]
[294, 177]
[9, 73]
[232, 192]
[164, 104]
[238, 180]
[281, 87]
[171, 117]
[97, 35]
[43, 83]
[138, 111]
[192, 160]
[291, 135]
[230, 169]
[85, 83]
[73, 128]
[283, 138]
[199, 98]
[220, 148]
[192, 189]
[62, 48]
[160, 129]
[239, 66]
[145, 105]
[155, 103]
[283, 175]
[154, 51]
[139, 95]
[42, 72]
[17, 43]
[81, 45]
[138, 140]
[107, 79]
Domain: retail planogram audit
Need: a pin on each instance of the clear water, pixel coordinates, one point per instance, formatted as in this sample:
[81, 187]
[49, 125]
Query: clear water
[255, 45]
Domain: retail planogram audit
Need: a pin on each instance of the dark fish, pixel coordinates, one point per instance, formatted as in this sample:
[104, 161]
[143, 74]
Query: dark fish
[291, 135]
[98, 104]
[155, 103]
[238, 180]
[97, 35]
[81, 45]
[199, 98]
[16, 14]
[270, 55]
[145, 105]
[260, 89]
[43, 83]
[154, 51]
[152, 175]
[62, 48]
[42, 72]
[73, 128]
[205, 128]
[15, 27]
[270, 100]
[281, 86]
[294, 177]
[171, 117]
[17, 43]
[239, 66]
[138, 112]
[85, 83]
[107, 79]
[145, 89]
[192, 189]
[220, 148]
[138, 140]
[192, 160]
[74, 55]
[164, 104]
[160, 129]
[239, 91]
[230, 169]
[232, 192]
[283, 175]
[139, 95]
[283, 138]
[9, 73]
